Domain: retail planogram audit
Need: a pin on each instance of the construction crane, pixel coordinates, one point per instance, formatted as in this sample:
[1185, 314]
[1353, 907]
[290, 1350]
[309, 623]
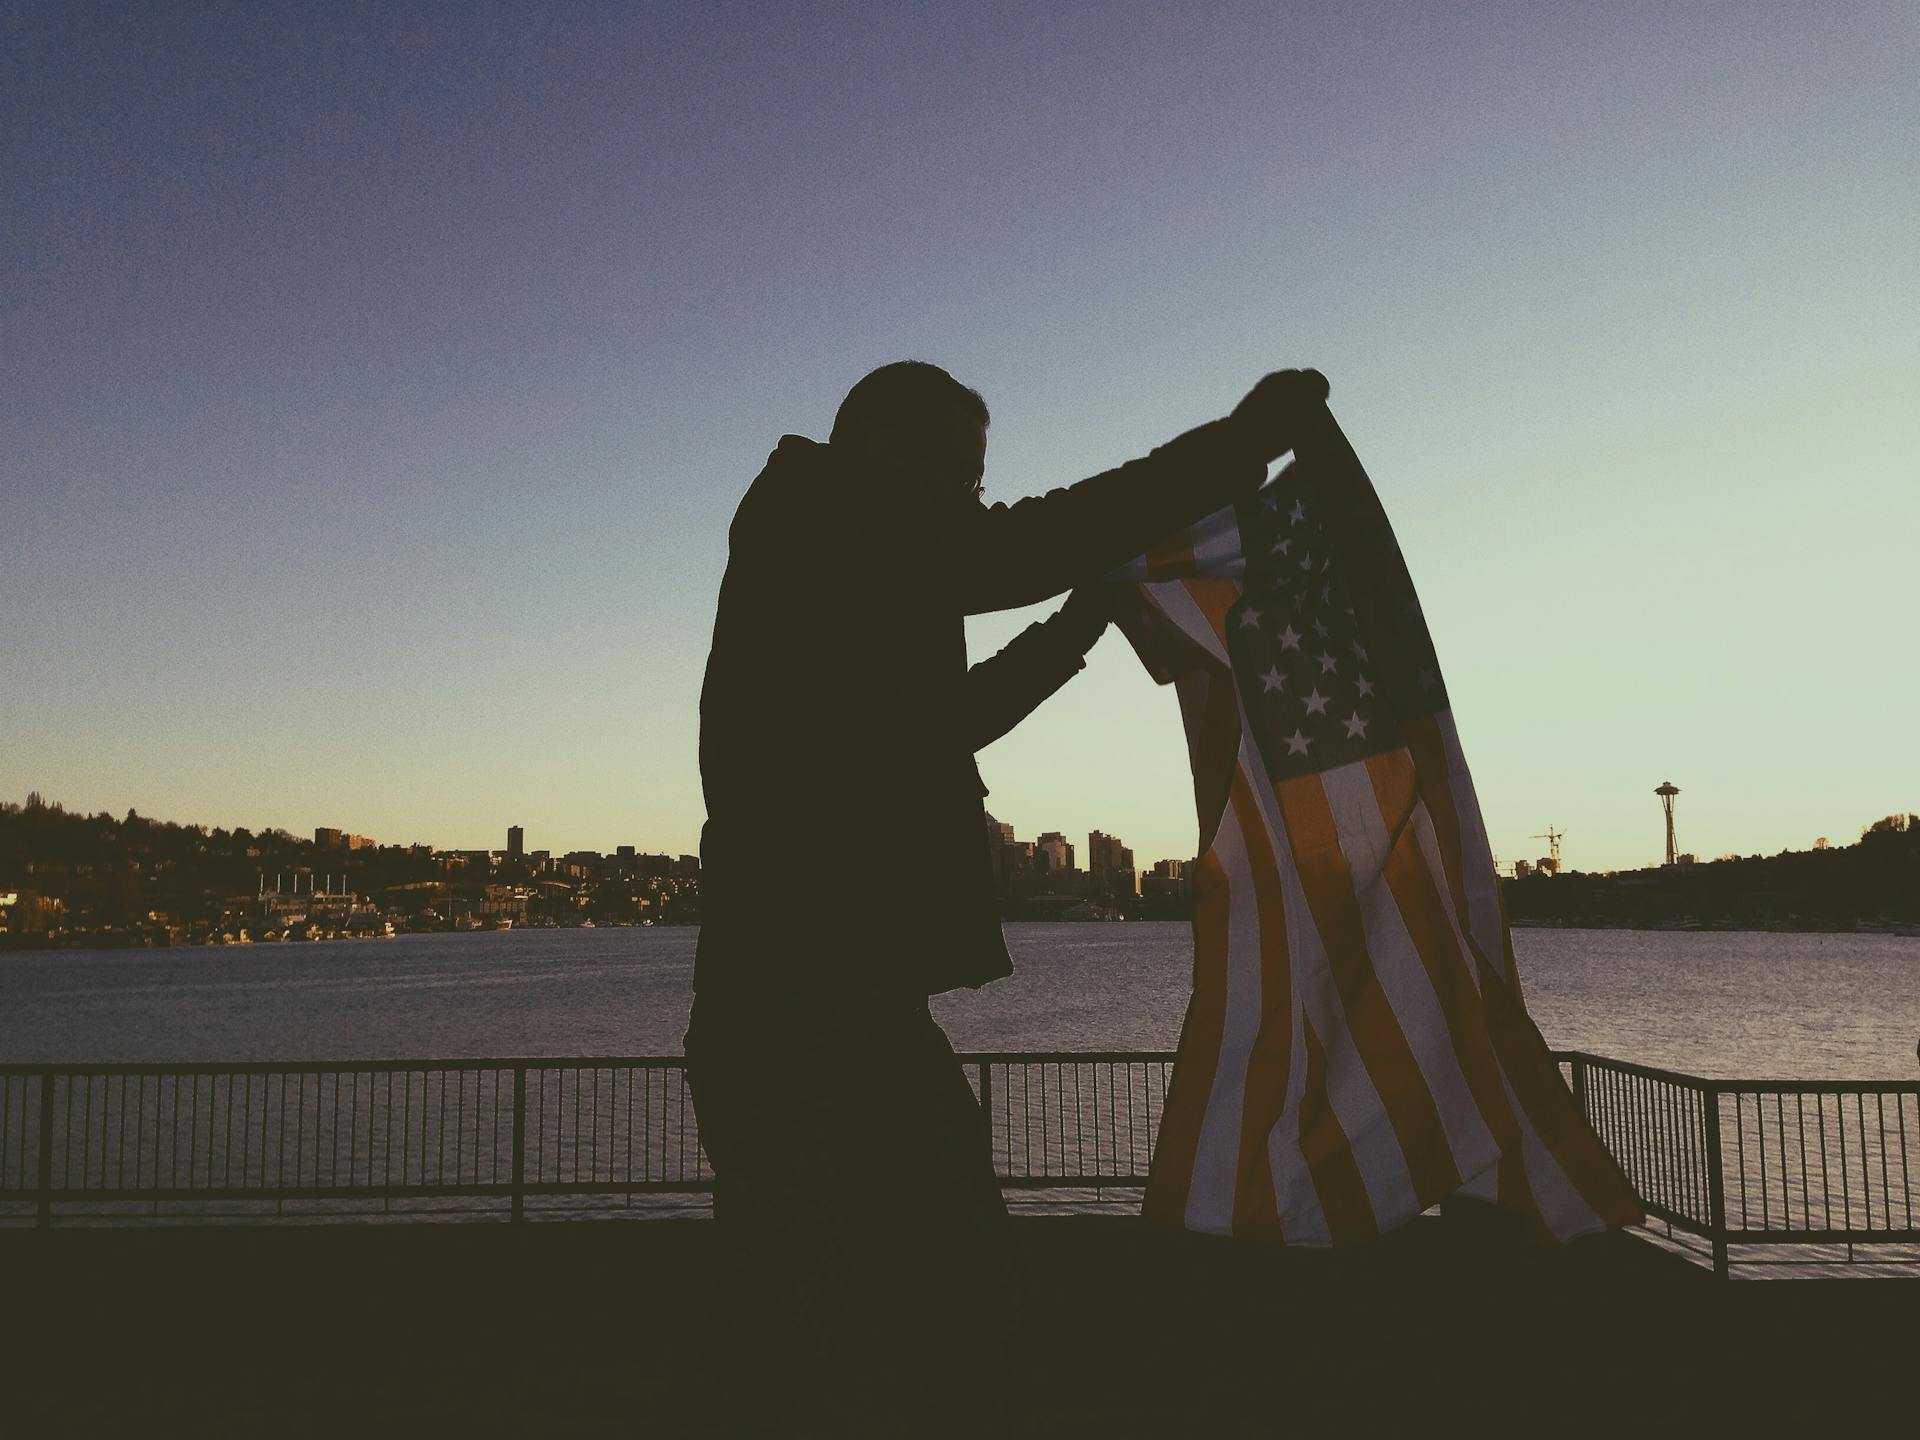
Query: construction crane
[1553, 838]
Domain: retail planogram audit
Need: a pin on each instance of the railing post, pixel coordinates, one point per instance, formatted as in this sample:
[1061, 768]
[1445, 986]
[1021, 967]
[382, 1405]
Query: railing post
[986, 1105]
[1716, 1182]
[1577, 1064]
[44, 1216]
[519, 1142]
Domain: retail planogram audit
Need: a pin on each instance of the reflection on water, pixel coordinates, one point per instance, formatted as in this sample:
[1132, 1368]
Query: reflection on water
[1718, 1004]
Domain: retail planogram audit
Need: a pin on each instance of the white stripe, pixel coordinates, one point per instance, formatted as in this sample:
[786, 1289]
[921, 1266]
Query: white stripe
[1214, 542]
[1397, 965]
[1176, 602]
[1216, 546]
[1216, 1156]
[1563, 1209]
[1486, 1184]
[1302, 1221]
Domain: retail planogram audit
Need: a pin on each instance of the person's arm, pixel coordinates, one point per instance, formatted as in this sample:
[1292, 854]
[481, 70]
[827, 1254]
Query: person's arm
[1004, 556]
[1010, 685]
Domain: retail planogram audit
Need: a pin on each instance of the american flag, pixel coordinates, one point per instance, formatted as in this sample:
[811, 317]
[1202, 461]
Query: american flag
[1356, 1048]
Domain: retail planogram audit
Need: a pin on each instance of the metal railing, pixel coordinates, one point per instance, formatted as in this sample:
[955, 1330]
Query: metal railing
[1733, 1162]
[498, 1130]
[1072, 1118]
[1760, 1162]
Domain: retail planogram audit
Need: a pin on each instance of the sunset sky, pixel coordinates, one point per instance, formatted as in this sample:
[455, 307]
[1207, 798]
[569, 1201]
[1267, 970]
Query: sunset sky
[380, 380]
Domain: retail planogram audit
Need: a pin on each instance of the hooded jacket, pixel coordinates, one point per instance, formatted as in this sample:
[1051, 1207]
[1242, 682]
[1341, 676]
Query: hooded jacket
[846, 851]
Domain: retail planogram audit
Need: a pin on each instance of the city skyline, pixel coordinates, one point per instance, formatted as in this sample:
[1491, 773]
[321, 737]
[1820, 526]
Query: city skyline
[514, 844]
[433, 400]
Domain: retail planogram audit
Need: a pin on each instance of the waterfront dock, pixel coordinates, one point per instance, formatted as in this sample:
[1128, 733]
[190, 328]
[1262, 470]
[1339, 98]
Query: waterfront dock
[1097, 1326]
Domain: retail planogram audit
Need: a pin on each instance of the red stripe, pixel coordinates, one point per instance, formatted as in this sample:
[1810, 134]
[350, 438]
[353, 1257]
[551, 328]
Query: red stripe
[1172, 558]
[1215, 598]
[1323, 1142]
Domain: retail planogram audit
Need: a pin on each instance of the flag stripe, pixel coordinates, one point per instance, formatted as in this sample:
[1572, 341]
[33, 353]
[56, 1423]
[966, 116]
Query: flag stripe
[1383, 1046]
[1485, 918]
[1217, 1156]
[1365, 1131]
[1400, 964]
[1170, 1180]
[1176, 601]
[1303, 1220]
[1172, 558]
[1434, 933]
[1269, 1062]
[1548, 1108]
[1343, 1194]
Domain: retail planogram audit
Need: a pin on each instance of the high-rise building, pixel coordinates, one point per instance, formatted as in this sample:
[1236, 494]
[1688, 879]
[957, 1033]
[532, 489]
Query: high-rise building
[516, 842]
[1110, 863]
[1103, 853]
[328, 838]
[1057, 849]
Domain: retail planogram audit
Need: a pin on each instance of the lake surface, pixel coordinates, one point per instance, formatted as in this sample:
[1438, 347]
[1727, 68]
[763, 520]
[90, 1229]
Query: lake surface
[1720, 1004]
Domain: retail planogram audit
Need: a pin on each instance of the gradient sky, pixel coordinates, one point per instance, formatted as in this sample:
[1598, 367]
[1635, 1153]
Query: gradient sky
[379, 380]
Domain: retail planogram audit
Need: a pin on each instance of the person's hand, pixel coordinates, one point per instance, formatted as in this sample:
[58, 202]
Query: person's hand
[1088, 609]
[1269, 417]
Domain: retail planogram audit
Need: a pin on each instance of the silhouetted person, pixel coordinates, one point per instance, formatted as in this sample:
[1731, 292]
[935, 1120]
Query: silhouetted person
[846, 872]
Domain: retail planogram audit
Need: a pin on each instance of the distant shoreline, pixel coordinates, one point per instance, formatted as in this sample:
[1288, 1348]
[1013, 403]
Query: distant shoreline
[1908, 932]
[10, 946]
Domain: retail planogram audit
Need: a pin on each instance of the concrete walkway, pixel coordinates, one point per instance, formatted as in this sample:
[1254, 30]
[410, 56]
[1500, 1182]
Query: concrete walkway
[1086, 1325]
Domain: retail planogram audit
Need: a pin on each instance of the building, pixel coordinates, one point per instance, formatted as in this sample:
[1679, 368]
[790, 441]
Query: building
[1169, 881]
[1110, 863]
[1058, 851]
[505, 902]
[328, 838]
[1103, 852]
[516, 842]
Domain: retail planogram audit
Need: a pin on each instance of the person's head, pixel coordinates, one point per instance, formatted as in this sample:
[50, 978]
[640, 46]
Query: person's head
[916, 418]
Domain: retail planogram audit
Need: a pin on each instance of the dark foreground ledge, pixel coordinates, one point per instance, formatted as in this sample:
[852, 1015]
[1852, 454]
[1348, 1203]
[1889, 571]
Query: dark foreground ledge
[1094, 1325]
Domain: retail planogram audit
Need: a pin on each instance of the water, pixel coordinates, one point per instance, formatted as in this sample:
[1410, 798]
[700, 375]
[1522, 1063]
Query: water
[1745, 1004]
